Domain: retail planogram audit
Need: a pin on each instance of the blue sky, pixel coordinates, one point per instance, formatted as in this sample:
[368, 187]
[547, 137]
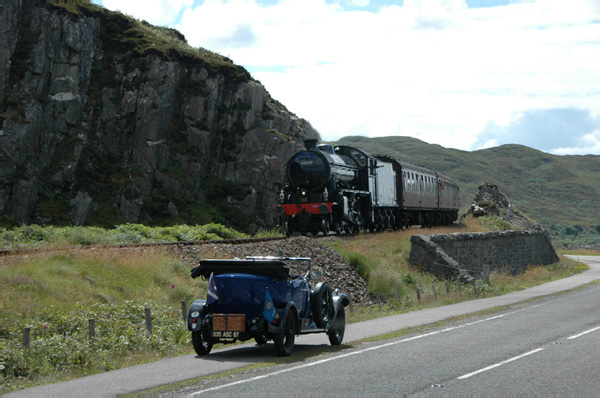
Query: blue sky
[463, 74]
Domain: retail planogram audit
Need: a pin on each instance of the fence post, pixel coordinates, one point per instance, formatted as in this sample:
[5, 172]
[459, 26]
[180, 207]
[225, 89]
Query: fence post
[419, 293]
[184, 310]
[486, 273]
[148, 320]
[378, 298]
[459, 288]
[447, 288]
[434, 293]
[27, 338]
[398, 295]
[92, 328]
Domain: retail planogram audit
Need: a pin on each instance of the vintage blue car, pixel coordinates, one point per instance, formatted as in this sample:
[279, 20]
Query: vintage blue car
[259, 298]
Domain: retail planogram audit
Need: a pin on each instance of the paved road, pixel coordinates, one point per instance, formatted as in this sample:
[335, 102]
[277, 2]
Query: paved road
[545, 346]
[189, 366]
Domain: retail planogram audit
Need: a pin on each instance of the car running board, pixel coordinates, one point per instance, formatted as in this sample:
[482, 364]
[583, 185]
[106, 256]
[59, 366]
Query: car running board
[307, 327]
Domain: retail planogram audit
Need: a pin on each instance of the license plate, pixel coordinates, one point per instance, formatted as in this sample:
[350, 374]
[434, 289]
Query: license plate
[225, 335]
[228, 326]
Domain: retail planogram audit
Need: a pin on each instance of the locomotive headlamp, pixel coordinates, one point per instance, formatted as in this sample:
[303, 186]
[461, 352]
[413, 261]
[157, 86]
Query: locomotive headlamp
[281, 196]
[325, 195]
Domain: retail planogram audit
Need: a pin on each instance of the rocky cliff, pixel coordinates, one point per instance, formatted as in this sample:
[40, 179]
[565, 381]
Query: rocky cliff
[106, 120]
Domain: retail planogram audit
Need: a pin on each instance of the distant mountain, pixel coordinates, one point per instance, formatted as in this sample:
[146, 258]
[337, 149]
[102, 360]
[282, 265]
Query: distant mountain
[560, 192]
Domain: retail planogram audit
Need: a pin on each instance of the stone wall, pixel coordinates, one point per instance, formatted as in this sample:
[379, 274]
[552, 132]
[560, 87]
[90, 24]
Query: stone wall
[467, 256]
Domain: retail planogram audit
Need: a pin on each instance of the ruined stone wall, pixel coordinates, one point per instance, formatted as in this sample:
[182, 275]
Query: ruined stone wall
[466, 256]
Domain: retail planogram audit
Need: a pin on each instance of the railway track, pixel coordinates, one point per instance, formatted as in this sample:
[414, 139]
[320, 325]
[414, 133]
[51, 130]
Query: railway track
[27, 251]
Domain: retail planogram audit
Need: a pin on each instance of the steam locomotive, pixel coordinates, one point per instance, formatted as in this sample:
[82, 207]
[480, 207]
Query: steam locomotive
[346, 190]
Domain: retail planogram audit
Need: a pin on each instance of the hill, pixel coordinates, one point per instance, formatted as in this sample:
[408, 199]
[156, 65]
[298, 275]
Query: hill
[560, 192]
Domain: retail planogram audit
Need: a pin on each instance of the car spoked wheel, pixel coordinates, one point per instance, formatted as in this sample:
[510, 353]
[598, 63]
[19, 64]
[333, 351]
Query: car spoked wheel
[201, 346]
[322, 304]
[336, 332]
[284, 341]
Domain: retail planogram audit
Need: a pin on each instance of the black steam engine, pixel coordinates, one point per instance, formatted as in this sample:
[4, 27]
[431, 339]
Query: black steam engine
[346, 190]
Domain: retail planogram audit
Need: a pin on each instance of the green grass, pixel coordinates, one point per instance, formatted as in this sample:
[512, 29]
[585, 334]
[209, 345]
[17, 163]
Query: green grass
[56, 294]
[33, 236]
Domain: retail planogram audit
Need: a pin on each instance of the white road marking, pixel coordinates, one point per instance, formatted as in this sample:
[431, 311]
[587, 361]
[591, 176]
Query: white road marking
[388, 345]
[583, 333]
[499, 364]
[334, 358]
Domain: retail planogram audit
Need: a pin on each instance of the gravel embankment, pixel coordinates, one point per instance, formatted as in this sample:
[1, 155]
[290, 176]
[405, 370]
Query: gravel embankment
[335, 271]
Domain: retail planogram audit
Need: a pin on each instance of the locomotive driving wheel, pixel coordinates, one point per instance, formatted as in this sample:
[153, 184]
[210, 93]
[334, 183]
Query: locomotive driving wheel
[325, 227]
[350, 228]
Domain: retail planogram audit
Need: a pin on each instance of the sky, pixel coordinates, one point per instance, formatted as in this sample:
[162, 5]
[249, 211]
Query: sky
[464, 74]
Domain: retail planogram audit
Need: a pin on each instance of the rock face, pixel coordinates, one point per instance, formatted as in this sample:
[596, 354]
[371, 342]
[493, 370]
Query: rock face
[99, 124]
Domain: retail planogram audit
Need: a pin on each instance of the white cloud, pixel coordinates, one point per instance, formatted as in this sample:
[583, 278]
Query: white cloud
[587, 144]
[431, 69]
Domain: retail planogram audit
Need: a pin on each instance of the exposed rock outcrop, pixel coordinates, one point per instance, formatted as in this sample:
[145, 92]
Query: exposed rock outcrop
[100, 124]
[489, 201]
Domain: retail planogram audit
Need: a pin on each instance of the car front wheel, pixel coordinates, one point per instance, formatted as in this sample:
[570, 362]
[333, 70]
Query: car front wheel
[201, 346]
[336, 332]
[284, 341]
[322, 303]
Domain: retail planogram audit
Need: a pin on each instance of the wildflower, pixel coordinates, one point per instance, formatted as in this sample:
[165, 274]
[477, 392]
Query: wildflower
[172, 286]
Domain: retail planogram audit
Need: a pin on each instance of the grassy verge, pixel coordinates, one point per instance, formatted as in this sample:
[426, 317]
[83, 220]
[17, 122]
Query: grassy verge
[35, 236]
[396, 287]
[580, 252]
[56, 294]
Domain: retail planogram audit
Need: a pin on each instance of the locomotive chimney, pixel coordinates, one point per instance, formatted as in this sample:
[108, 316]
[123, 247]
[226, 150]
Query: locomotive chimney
[311, 144]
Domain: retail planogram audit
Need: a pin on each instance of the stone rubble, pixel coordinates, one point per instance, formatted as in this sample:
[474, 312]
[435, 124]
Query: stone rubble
[334, 269]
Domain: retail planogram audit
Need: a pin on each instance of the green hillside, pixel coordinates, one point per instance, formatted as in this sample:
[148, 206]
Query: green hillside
[560, 192]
